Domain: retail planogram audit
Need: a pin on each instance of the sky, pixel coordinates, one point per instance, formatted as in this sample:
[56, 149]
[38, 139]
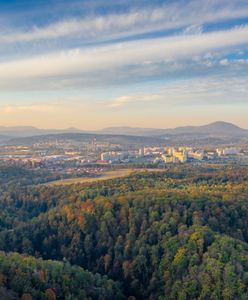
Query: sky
[93, 64]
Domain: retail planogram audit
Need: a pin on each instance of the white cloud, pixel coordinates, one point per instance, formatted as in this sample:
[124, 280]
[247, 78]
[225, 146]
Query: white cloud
[106, 60]
[224, 62]
[207, 91]
[124, 100]
[31, 108]
[169, 16]
[120, 101]
[193, 29]
[242, 61]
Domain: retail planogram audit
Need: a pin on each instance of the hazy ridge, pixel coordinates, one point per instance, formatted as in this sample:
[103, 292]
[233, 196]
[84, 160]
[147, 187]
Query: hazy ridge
[213, 133]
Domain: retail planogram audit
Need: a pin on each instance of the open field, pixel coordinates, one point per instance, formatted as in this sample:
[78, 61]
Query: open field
[103, 176]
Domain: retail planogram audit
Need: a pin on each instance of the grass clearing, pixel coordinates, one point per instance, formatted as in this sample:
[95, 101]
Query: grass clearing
[103, 176]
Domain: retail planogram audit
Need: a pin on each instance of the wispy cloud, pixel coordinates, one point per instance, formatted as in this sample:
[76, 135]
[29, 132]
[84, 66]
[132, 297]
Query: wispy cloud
[169, 16]
[194, 51]
[30, 108]
[107, 61]
[193, 29]
[204, 91]
[120, 101]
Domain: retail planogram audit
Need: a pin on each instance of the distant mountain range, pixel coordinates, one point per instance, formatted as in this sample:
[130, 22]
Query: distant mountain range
[217, 133]
[216, 128]
[214, 133]
[25, 131]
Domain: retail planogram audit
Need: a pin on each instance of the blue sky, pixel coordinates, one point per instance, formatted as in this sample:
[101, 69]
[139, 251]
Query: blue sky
[93, 64]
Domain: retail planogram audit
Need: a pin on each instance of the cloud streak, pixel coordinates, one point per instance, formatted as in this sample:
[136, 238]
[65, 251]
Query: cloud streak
[205, 91]
[124, 57]
[30, 108]
[166, 17]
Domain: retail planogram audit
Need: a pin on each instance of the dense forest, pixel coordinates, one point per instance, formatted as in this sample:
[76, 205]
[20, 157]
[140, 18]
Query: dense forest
[14, 176]
[181, 233]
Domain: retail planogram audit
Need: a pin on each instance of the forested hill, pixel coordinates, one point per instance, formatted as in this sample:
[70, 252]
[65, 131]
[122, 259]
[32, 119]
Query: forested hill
[178, 234]
[32, 278]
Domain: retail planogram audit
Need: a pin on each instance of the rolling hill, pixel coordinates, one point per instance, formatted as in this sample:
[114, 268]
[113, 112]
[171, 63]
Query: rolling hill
[217, 128]
[87, 137]
[214, 133]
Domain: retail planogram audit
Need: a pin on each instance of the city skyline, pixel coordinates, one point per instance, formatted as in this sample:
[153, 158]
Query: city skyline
[91, 64]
